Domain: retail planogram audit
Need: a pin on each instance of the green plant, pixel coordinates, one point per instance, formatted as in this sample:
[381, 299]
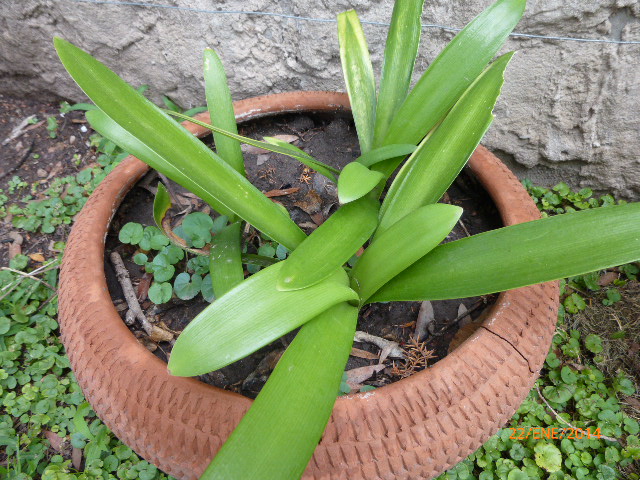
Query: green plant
[443, 118]
[16, 184]
[52, 127]
[39, 397]
[64, 197]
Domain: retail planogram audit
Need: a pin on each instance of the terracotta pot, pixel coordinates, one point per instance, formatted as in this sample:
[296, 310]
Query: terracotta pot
[415, 428]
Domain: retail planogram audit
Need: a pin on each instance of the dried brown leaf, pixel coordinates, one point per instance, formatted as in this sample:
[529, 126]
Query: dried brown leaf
[55, 440]
[356, 352]
[607, 278]
[281, 192]
[311, 203]
[356, 376]
[37, 257]
[159, 334]
[286, 138]
[76, 458]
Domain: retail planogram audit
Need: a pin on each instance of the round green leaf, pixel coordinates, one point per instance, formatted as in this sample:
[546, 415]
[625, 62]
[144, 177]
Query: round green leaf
[558, 394]
[160, 293]
[593, 343]
[140, 259]
[199, 265]
[548, 456]
[517, 474]
[552, 360]
[19, 262]
[605, 472]
[198, 227]
[282, 252]
[159, 241]
[162, 270]
[517, 452]
[131, 233]
[568, 375]
[5, 324]
[631, 426]
[267, 250]
[207, 289]
[186, 286]
[173, 254]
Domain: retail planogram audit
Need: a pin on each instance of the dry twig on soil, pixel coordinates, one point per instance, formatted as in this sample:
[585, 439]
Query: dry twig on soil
[135, 311]
[389, 348]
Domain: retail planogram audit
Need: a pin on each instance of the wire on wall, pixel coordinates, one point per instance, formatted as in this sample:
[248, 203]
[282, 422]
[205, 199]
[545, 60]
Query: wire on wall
[329, 20]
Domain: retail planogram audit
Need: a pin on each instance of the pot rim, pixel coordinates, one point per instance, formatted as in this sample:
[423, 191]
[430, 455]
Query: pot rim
[445, 412]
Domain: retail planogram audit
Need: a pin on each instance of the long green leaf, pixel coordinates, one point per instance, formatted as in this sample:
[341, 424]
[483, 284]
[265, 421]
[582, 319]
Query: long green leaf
[330, 246]
[275, 442]
[249, 317]
[177, 153]
[286, 149]
[108, 128]
[225, 259]
[387, 152]
[356, 181]
[403, 244]
[450, 75]
[358, 76]
[521, 255]
[400, 53]
[161, 204]
[221, 110]
[433, 167]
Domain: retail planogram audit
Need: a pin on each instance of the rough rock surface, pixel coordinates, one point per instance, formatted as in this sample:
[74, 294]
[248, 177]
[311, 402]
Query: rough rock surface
[569, 110]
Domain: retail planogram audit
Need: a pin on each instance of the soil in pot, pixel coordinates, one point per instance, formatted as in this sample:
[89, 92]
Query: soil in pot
[310, 198]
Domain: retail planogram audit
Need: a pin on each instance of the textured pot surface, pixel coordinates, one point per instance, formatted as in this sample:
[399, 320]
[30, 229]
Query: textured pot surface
[415, 428]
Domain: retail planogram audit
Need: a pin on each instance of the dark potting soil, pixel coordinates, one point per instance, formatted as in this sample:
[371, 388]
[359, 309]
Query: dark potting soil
[331, 139]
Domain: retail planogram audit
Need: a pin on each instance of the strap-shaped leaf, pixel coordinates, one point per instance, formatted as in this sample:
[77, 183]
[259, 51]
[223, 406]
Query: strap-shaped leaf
[400, 53]
[161, 204]
[221, 110]
[385, 153]
[433, 167]
[521, 255]
[225, 259]
[356, 181]
[176, 152]
[358, 76]
[275, 442]
[282, 148]
[450, 75]
[249, 317]
[108, 128]
[330, 246]
[404, 243]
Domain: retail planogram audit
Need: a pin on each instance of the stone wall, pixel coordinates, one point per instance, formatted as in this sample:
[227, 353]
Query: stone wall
[569, 110]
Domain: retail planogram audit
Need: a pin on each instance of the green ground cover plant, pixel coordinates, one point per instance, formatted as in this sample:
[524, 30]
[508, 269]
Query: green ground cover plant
[444, 118]
[39, 397]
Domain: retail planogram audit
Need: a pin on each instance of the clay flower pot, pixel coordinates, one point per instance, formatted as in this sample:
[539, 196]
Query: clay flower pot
[415, 428]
